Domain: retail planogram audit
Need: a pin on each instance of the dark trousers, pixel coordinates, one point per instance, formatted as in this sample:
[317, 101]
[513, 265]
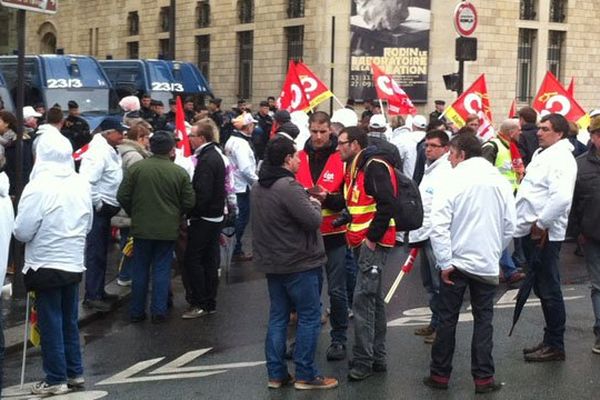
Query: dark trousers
[430, 277]
[96, 248]
[449, 305]
[243, 203]
[202, 259]
[336, 288]
[543, 263]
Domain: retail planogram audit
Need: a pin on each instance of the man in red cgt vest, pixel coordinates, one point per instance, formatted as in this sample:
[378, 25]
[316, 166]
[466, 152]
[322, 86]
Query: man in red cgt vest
[321, 172]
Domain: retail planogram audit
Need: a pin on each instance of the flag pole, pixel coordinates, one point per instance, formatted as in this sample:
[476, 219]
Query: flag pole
[383, 110]
[25, 341]
[338, 101]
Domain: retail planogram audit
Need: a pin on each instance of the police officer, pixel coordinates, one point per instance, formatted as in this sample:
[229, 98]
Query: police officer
[439, 110]
[75, 128]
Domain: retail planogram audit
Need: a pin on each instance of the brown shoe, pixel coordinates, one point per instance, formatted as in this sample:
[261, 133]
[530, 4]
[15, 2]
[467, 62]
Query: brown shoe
[278, 383]
[426, 331]
[544, 354]
[320, 382]
[516, 277]
[529, 350]
[430, 339]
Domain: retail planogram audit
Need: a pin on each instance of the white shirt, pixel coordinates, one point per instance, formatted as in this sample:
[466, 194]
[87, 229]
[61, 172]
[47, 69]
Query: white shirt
[472, 218]
[55, 211]
[434, 177]
[407, 147]
[240, 154]
[546, 192]
[7, 220]
[102, 167]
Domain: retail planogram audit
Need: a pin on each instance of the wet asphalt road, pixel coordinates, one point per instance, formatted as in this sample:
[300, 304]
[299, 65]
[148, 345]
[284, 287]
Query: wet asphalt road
[234, 336]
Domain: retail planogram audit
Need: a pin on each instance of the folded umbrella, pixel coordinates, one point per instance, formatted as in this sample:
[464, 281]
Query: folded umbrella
[522, 296]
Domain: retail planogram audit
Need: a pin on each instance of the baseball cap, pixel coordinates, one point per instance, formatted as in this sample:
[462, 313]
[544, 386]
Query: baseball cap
[377, 121]
[29, 112]
[72, 104]
[419, 121]
[242, 120]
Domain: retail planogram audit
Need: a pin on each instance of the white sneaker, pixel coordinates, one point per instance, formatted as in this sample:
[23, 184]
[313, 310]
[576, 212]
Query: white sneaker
[194, 312]
[77, 382]
[123, 282]
[44, 388]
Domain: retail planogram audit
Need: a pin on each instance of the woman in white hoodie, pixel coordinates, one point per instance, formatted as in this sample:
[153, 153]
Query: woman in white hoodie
[54, 216]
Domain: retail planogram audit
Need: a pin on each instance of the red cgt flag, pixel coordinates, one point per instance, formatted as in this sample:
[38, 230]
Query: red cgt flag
[387, 89]
[475, 100]
[554, 98]
[512, 112]
[292, 97]
[571, 88]
[315, 90]
[184, 140]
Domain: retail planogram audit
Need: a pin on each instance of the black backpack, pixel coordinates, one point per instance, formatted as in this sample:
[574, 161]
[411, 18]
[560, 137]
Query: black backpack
[408, 210]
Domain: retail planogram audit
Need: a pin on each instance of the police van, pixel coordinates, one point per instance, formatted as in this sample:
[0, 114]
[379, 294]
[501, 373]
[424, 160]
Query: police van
[161, 79]
[57, 79]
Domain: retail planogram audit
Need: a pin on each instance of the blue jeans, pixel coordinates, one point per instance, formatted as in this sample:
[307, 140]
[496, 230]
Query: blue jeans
[96, 248]
[336, 288]
[591, 251]
[544, 264]
[430, 277]
[351, 271]
[57, 311]
[300, 291]
[125, 270]
[243, 203]
[507, 264]
[156, 255]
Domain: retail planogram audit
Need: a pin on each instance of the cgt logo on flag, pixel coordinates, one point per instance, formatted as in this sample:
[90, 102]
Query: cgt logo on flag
[302, 89]
[554, 98]
[387, 89]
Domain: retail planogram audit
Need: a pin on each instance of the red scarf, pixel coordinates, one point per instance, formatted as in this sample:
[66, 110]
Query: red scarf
[515, 156]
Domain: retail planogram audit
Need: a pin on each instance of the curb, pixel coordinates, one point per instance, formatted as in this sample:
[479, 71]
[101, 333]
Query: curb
[13, 337]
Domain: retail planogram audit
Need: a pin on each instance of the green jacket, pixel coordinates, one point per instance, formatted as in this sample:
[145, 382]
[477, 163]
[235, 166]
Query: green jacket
[155, 193]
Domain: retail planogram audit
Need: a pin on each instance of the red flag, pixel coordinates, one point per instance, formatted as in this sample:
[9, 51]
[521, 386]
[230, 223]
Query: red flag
[571, 88]
[314, 89]
[387, 89]
[78, 154]
[184, 140]
[475, 100]
[512, 113]
[554, 98]
[292, 96]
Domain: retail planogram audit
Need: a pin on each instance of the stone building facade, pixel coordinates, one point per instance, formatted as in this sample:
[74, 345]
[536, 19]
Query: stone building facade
[243, 45]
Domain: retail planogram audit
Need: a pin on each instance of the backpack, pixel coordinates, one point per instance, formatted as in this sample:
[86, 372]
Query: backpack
[408, 206]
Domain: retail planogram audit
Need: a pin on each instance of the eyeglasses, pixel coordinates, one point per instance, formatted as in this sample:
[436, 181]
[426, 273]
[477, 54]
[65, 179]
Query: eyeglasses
[435, 146]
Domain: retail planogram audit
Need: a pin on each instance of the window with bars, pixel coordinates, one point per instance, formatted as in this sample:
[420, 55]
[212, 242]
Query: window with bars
[203, 14]
[133, 50]
[246, 53]
[556, 41]
[133, 23]
[295, 9]
[165, 19]
[528, 10]
[558, 11]
[203, 54]
[163, 49]
[295, 42]
[525, 64]
[246, 10]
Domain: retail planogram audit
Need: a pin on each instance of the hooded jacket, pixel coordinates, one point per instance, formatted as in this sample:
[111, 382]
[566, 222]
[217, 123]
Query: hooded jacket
[285, 224]
[55, 211]
[7, 220]
[585, 213]
[102, 167]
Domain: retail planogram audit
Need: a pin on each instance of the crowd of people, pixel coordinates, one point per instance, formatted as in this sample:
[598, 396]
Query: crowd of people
[320, 194]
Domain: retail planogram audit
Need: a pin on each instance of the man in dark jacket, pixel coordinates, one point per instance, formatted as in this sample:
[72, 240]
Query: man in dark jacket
[377, 138]
[204, 224]
[528, 141]
[585, 215]
[262, 132]
[288, 247]
[155, 193]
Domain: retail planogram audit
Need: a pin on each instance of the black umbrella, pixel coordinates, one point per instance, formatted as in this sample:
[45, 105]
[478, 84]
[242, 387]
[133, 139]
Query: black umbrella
[522, 296]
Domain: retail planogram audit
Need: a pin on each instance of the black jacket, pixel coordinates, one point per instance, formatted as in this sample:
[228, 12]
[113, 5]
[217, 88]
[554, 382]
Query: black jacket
[528, 142]
[378, 140]
[585, 212]
[209, 183]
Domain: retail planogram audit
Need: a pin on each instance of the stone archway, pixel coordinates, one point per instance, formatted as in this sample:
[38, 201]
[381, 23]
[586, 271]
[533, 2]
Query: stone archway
[47, 34]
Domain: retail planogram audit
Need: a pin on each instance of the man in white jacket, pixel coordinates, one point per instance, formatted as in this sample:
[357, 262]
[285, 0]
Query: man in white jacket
[101, 165]
[240, 153]
[54, 216]
[472, 219]
[436, 170]
[543, 204]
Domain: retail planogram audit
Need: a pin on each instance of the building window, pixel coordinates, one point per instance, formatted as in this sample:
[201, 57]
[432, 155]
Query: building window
[246, 48]
[163, 49]
[525, 64]
[528, 10]
[203, 52]
[295, 9]
[558, 10]
[165, 19]
[556, 41]
[133, 23]
[203, 14]
[133, 50]
[246, 9]
[295, 42]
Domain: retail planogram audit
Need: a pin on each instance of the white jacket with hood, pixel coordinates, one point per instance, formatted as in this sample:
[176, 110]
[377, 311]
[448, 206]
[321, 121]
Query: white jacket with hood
[101, 165]
[55, 212]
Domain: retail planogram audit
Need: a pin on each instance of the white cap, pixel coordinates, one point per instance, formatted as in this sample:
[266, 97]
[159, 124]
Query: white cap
[419, 121]
[29, 112]
[345, 117]
[377, 121]
[243, 119]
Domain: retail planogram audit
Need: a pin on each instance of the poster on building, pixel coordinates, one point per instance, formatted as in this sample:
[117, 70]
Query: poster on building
[394, 34]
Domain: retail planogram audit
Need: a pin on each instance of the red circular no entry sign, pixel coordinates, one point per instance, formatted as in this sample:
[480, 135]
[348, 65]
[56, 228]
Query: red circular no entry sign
[465, 18]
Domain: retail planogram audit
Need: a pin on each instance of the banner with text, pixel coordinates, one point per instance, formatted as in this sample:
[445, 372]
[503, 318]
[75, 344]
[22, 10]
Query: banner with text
[395, 37]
